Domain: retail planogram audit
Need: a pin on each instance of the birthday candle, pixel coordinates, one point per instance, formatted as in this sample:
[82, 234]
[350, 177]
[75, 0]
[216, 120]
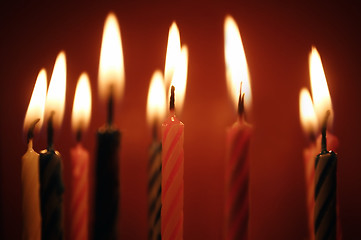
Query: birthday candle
[326, 224]
[238, 136]
[172, 143]
[79, 160]
[31, 228]
[50, 163]
[111, 85]
[155, 114]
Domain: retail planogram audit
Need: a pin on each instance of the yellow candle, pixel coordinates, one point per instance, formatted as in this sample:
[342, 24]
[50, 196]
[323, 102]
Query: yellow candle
[30, 163]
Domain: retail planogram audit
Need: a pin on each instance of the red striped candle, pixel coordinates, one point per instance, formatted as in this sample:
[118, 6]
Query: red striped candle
[237, 180]
[172, 177]
[238, 136]
[79, 159]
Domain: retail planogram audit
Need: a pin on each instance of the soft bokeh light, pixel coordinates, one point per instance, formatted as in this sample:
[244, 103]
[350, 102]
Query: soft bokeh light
[320, 93]
[179, 80]
[37, 102]
[80, 117]
[55, 100]
[307, 113]
[156, 103]
[236, 64]
[111, 66]
[173, 53]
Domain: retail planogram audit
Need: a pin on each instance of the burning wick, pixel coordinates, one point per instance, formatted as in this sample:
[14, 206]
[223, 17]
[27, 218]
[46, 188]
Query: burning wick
[110, 107]
[172, 100]
[50, 130]
[31, 129]
[324, 128]
[241, 102]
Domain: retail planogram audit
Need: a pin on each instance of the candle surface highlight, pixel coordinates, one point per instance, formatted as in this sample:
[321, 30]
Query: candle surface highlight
[238, 136]
[155, 115]
[173, 154]
[50, 163]
[31, 221]
[79, 160]
[110, 85]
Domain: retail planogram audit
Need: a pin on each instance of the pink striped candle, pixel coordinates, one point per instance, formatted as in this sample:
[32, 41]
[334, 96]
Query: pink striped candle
[238, 136]
[79, 207]
[79, 160]
[237, 180]
[172, 176]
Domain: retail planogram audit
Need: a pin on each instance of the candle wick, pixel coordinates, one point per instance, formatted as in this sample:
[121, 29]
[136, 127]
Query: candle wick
[324, 128]
[172, 98]
[78, 135]
[241, 102]
[110, 109]
[155, 131]
[50, 130]
[31, 129]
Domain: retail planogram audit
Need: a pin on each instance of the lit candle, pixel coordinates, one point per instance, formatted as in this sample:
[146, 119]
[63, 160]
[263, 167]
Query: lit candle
[172, 152]
[325, 213]
[111, 85]
[31, 228]
[79, 160]
[155, 114]
[238, 135]
[50, 163]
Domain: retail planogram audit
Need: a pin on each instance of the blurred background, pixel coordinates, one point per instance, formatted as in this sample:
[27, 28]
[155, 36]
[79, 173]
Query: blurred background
[277, 39]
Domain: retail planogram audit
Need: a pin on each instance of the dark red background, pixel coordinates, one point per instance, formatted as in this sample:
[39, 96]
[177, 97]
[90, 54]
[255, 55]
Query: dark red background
[277, 39]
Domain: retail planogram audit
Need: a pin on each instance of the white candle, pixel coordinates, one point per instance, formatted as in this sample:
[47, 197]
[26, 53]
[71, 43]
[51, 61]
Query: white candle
[31, 228]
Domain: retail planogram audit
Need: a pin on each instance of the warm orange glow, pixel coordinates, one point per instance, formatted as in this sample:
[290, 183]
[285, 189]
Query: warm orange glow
[173, 53]
[236, 64]
[307, 113]
[321, 95]
[111, 66]
[179, 80]
[55, 100]
[37, 102]
[80, 117]
[156, 99]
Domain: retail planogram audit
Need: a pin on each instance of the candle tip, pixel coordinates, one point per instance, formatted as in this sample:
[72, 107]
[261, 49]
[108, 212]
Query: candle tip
[172, 98]
[110, 110]
[78, 135]
[31, 129]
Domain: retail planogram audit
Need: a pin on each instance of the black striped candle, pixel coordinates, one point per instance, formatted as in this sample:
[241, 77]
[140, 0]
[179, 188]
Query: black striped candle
[51, 190]
[325, 192]
[155, 190]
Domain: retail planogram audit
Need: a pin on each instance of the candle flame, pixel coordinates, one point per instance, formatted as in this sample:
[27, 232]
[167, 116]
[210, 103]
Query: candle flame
[82, 104]
[320, 93]
[179, 80]
[111, 66]
[37, 102]
[55, 100]
[307, 113]
[236, 63]
[173, 53]
[156, 108]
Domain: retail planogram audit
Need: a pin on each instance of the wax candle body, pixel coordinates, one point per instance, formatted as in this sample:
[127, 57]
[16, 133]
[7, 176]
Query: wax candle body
[172, 178]
[155, 190]
[107, 183]
[237, 180]
[30, 194]
[79, 160]
[325, 195]
[51, 194]
[309, 154]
